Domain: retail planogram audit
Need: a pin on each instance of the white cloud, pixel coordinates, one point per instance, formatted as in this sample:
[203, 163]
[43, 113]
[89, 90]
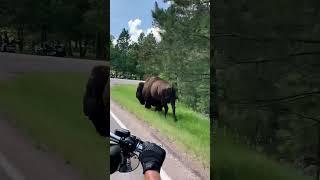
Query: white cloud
[156, 33]
[170, 3]
[114, 42]
[135, 30]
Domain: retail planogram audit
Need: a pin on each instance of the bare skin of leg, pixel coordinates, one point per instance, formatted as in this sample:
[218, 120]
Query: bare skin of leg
[152, 175]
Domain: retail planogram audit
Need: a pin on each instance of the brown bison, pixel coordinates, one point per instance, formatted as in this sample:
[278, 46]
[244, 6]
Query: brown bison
[96, 99]
[158, 93]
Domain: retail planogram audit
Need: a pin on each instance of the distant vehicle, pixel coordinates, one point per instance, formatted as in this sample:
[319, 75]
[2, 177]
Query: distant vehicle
[11, 47]
[48, 49]
[38, 50]
[60, 50]
[8, 47]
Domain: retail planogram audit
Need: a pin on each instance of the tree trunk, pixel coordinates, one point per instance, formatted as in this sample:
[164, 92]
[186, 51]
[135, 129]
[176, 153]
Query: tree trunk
[318, 158]
[102, 37]
[20, 38]
[80, 48]
[100, 52]
[69, 48]
[44, 35]
[85, 47]
[76, 45]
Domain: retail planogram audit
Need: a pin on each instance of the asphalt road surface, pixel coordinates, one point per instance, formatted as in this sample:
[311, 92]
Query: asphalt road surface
[19, 157]
[174, 167]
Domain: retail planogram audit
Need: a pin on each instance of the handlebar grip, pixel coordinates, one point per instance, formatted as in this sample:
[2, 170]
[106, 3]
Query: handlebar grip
[117, 139]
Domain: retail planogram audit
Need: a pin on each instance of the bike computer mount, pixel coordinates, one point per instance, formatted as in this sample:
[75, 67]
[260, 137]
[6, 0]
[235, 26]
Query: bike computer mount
[123, 133]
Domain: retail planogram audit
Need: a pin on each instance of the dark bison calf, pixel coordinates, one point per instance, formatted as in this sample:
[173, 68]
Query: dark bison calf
[158, 93]
[96, 99]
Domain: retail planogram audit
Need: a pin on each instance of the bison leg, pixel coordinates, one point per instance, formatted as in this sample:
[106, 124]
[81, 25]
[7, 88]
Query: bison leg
[174, 110]
[147, 105]
[165, 110]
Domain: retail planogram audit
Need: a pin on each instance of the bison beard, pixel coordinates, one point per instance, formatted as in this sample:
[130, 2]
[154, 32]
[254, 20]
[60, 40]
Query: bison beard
[95, 105]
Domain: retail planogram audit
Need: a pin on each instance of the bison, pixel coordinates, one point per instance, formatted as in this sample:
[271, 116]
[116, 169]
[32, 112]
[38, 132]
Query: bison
[158, 93]
[96, 99]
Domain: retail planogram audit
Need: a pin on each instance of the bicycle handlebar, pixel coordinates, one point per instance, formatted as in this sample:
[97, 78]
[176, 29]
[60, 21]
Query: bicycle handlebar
[121, 140]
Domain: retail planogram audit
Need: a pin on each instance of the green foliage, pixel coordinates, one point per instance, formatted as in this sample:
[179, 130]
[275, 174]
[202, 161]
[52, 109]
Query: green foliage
[182, 56]
[123, 41]
[36, 21]
[123, 61]
[267, 74]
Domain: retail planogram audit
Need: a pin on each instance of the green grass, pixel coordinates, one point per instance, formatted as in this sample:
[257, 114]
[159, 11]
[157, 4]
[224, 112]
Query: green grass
[235, 161]
[191, 132]
[48, 108]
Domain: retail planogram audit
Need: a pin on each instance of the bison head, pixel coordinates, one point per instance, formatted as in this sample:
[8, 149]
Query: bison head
[139, 93]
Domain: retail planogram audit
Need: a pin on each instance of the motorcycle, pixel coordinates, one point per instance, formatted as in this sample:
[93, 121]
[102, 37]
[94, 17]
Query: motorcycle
[130, 146]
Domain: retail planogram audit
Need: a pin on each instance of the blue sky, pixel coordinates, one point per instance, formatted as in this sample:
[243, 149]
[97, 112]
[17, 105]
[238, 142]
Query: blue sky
[138, 11]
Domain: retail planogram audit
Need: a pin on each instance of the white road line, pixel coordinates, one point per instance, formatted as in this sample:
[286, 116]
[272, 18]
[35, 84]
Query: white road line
[163, 174]
[118, 120]
[9, 169]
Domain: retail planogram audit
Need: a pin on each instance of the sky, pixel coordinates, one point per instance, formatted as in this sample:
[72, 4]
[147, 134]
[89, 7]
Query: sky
[134, 15]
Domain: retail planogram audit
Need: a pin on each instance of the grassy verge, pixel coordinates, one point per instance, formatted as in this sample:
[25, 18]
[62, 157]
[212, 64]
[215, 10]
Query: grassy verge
[191, 132]
[48, 107]
[235, 161]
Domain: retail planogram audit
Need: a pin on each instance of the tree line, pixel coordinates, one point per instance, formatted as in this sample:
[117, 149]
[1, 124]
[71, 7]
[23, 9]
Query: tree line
[182, 55]
[266, 78]
[79, 24]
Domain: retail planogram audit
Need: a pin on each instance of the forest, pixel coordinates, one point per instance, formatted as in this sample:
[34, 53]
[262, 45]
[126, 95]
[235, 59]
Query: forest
[182, 55]
[265, 80]
[80, 25]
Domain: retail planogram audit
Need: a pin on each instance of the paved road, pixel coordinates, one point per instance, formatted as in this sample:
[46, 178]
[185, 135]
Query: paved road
[13, 64]
[174, 168]
[4, 175]
[137, 174]
[19, 157]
